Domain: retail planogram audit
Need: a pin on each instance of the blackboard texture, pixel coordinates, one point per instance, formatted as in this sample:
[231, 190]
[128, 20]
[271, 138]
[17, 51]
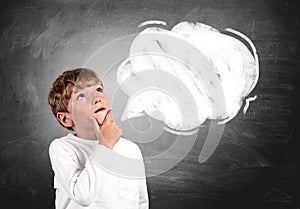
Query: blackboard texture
[257, 163]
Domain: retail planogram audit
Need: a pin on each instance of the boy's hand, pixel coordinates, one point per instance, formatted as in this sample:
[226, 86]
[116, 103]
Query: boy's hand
[108, 133]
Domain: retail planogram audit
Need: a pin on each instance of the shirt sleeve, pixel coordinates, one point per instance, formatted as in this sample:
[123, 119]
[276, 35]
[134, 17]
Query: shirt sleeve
[132, 165]
[81, 184]
[143, 197]
[143, 191]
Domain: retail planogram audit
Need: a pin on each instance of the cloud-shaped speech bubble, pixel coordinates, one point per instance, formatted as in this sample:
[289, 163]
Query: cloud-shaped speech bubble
[217, 69]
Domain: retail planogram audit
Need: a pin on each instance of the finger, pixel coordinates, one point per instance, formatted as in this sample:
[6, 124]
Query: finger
[108, 117]
[98, 120]
[119, 130]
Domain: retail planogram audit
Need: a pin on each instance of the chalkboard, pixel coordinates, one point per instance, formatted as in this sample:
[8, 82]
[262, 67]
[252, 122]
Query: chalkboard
[256, 164]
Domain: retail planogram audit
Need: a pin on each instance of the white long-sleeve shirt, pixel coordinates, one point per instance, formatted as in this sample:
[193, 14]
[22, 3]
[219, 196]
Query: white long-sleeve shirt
[88, 175]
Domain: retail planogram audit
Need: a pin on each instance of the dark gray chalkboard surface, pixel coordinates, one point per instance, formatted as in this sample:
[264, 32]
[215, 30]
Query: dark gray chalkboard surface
[256, 165]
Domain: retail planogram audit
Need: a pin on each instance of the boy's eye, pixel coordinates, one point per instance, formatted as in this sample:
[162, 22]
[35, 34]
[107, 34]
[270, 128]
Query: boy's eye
[80, 96]
[99, 89]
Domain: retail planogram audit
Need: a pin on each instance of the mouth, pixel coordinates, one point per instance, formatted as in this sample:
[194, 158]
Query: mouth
[99, 110]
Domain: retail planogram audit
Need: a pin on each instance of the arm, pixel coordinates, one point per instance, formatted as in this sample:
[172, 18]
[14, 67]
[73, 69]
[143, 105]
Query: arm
[81, 184]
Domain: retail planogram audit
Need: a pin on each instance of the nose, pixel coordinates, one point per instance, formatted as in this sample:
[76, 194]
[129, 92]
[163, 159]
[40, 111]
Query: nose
[97, 99]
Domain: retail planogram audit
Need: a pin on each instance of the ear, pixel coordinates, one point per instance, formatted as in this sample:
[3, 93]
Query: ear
[65, 119]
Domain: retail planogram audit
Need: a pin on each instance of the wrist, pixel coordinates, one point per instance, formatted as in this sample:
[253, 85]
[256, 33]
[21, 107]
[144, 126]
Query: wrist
[106, 145]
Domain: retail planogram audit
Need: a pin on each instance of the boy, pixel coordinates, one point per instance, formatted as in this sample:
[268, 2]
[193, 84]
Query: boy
[94, 167]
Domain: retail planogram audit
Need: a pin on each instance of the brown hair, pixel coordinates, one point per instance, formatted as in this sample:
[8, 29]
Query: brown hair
[62, 88]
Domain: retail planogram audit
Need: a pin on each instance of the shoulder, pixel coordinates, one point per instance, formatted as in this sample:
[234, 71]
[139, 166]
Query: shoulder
[62, 144]
[61, 140]
[128, 148]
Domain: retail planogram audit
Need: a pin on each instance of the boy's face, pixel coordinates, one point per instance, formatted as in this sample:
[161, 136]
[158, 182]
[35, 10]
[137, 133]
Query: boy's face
[86, 103]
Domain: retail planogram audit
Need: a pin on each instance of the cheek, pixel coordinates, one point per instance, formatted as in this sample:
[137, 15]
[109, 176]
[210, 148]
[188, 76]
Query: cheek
[106, 101]
[82, 111]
